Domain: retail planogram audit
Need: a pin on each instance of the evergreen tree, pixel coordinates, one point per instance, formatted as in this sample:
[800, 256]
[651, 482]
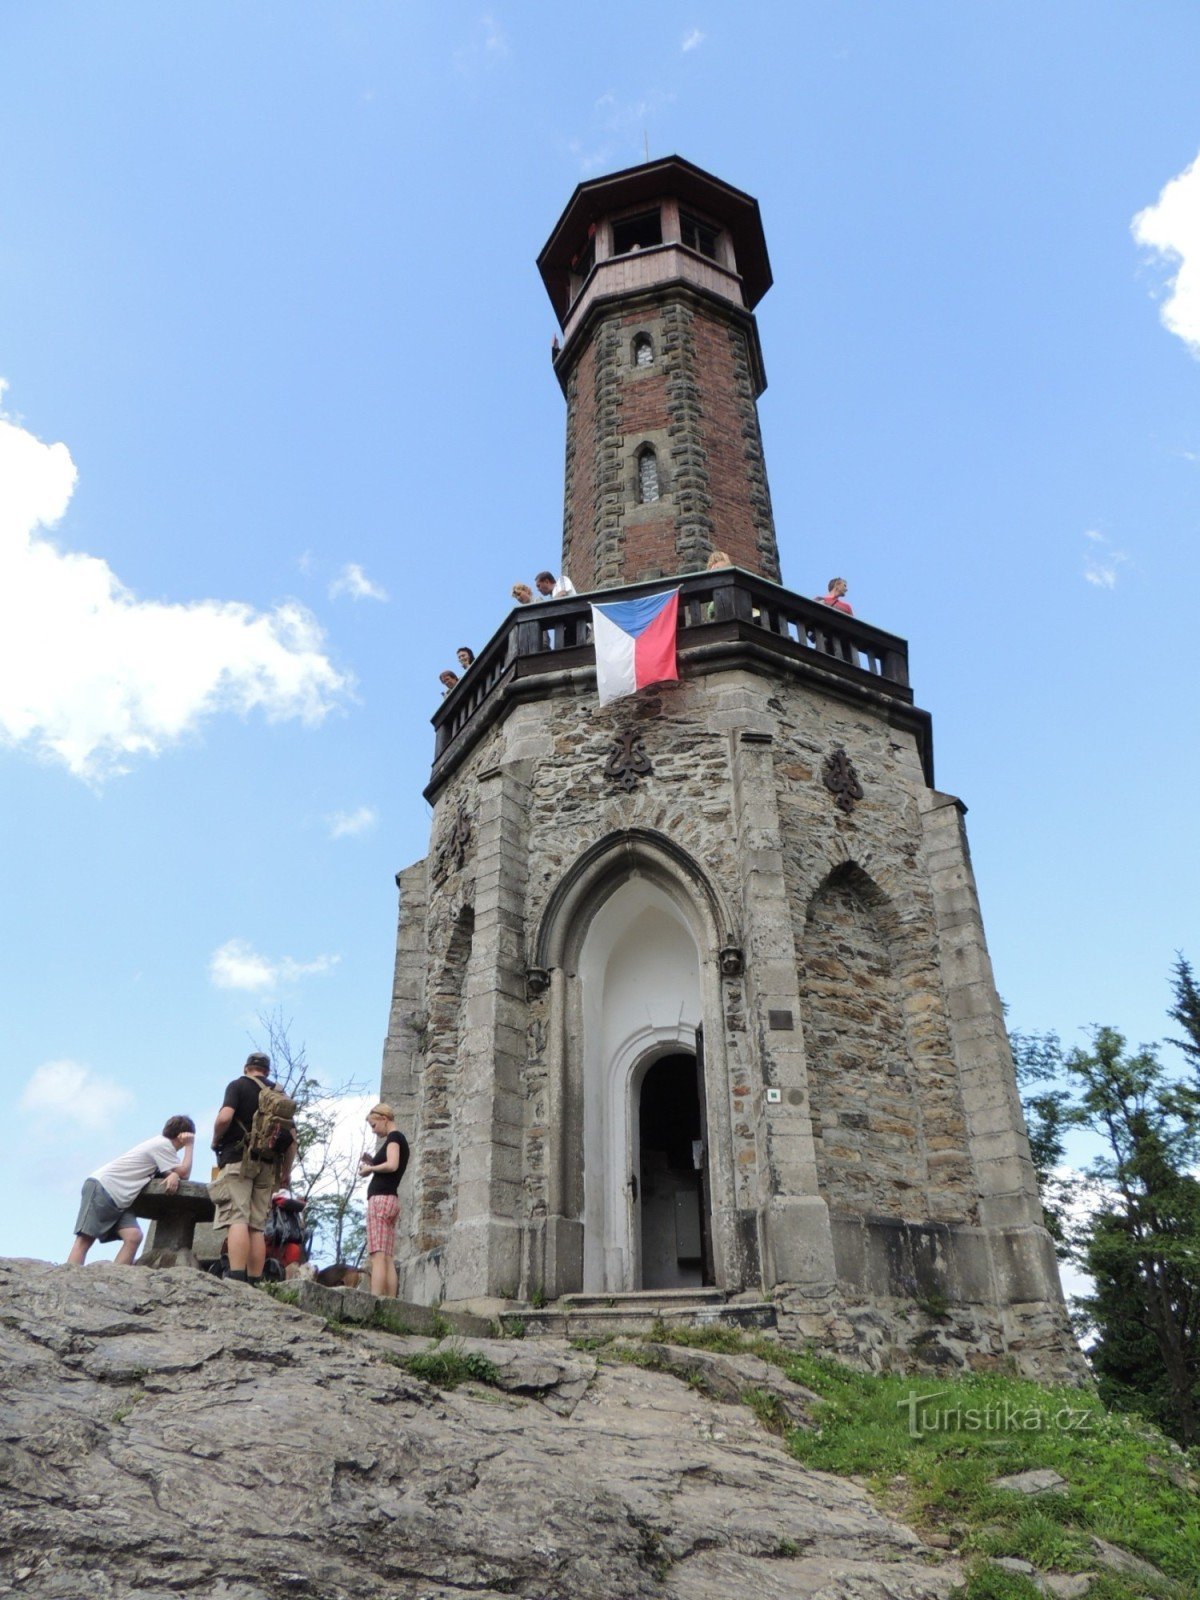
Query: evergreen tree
[1186, 1012]
[1142, 1249]
[1140, 1243]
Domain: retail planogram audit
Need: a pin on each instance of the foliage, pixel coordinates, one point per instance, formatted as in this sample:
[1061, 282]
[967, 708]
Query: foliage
[1038, 1058]
[1186, 1012]
[334, 1215]
[1140, 1239]
[1143, 1249]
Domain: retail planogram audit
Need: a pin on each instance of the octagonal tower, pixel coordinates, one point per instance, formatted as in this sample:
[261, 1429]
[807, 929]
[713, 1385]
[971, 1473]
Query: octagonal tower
[654, 274]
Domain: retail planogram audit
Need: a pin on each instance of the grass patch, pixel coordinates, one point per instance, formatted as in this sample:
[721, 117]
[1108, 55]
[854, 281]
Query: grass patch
[769, 1409]
[448, 1367]
[990, 1582]
[935, 1461]
[286, 1293]
[932, 1462]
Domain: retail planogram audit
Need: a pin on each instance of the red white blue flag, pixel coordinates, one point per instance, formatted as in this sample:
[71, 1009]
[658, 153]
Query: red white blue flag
[635, 644]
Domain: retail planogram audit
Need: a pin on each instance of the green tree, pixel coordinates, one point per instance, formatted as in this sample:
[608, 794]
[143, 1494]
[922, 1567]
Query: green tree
[324, 1171]
[1142, 1247]
[1186, 1012]
[1038, 1058]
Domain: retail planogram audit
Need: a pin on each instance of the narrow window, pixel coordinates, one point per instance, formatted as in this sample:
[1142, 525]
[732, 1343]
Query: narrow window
[699, 236]
[643, 351]
[648, 489]
[637, 233]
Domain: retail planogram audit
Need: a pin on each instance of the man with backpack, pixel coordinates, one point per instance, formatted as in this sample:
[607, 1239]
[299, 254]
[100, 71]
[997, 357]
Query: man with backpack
[255, 1141]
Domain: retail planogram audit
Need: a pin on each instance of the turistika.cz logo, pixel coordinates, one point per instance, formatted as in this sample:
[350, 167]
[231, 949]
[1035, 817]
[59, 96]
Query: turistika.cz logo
[998, 1416]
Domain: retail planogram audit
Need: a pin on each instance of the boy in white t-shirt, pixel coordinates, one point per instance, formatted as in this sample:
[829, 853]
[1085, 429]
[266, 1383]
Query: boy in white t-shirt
[109, 1192]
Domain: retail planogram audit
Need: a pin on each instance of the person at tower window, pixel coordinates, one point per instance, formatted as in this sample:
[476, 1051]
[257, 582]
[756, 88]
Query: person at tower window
[551, 588]
[466, 656]
[522, 594]
[447, 680]
[836, 596]
[386, 1167]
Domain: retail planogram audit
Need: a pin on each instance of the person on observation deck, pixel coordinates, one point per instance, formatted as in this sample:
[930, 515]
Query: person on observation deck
[836, 596]
[551, 588]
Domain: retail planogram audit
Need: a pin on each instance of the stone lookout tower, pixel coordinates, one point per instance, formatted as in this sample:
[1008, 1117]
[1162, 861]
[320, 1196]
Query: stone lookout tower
[692, 994]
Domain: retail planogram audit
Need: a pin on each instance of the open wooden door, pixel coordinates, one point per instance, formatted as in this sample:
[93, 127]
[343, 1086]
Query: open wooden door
[702, 1164]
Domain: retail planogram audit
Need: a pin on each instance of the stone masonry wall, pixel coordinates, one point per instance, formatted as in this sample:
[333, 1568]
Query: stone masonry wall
[737, 783]
[876, 1025]
[866, 1116]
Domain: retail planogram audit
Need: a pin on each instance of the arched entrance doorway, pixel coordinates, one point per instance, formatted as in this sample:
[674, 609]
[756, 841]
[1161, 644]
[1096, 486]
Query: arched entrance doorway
[673, 1226]
[630, 948]
[639, 974]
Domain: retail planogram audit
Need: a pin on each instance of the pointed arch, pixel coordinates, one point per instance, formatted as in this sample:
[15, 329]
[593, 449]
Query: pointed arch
[868, 1129]
[600, 870]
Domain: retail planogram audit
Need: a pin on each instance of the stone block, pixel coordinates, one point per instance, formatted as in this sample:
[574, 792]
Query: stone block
[798, 1241]
[1026, 1268]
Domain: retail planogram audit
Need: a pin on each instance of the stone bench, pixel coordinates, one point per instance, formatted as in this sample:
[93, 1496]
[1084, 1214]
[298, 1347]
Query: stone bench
[174, 1218]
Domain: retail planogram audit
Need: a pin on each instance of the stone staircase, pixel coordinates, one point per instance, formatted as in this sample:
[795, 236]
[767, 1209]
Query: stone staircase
[607, 1315]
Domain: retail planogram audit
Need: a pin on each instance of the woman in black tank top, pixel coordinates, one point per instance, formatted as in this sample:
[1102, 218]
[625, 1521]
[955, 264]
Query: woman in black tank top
[386, 1168]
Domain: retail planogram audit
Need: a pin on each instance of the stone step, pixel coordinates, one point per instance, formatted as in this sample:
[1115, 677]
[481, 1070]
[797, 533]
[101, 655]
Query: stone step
[610, 1316]
[639, 1299]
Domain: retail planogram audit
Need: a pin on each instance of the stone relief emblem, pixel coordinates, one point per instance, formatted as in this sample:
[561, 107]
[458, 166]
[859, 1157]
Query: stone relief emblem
[627, 760]
[456, 840]
[840, 778]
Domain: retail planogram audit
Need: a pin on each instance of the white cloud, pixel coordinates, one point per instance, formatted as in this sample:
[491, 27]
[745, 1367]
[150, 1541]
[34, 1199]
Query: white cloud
[350, 1137]
[1103, 562]
[90, 675]
[625, 126]
[68, 1089]
[486, 47]
[1171, 227]
[346, 824]
[352, 580]
[692, 40]
[238, 965]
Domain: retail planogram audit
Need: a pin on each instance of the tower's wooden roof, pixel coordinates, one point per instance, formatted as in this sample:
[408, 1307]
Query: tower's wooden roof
[601, 197]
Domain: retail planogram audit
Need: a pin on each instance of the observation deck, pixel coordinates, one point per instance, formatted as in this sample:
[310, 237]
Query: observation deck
[728, 618]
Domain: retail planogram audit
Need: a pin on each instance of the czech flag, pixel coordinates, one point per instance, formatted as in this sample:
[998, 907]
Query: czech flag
[635, 644]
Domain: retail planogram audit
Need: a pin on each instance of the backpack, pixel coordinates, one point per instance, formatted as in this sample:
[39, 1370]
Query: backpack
[273, 1122]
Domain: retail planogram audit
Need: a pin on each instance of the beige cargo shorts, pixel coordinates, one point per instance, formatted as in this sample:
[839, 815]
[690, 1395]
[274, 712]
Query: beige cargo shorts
[242, 1196]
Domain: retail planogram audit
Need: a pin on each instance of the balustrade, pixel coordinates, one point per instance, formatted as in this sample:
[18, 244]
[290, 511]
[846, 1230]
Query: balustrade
[720, 612]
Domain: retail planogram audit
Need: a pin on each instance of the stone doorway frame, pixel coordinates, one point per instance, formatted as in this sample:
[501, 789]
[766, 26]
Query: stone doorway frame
[583, 889]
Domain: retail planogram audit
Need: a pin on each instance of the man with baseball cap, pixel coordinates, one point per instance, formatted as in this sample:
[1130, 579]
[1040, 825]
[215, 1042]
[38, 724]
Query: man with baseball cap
[241, 1191]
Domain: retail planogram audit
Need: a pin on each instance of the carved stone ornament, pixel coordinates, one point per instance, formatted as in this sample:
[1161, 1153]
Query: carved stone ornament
[841, 780]
[627, 760]
[452, 851]
[537, 981]
[731, 962]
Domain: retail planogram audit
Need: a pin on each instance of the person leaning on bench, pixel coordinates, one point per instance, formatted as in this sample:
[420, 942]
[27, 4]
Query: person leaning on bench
[108, 1194]
[246, 1179]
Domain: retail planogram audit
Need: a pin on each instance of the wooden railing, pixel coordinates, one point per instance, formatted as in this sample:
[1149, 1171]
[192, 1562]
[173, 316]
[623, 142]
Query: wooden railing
[717, 610]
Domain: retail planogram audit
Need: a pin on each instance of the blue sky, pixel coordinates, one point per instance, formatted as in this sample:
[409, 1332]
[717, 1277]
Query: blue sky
[279, 392]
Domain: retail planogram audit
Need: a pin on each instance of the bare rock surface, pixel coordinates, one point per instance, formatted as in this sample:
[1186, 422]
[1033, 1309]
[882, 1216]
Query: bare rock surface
[164, 1433]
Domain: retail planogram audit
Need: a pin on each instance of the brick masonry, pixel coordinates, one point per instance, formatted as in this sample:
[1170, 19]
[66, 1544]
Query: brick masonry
[696, 406]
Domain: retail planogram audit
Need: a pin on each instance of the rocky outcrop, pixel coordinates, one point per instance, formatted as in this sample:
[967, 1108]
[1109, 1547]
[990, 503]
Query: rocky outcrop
[164, 1433]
